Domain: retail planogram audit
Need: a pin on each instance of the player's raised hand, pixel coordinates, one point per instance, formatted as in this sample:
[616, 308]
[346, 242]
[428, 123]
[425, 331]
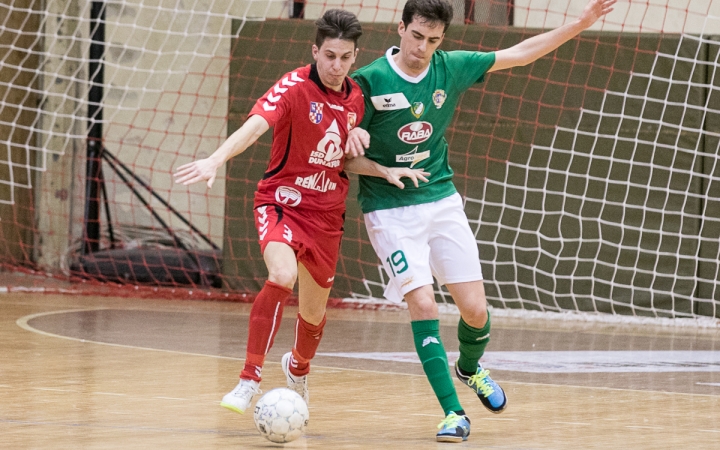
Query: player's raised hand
[358, 140]
[394, 175]
[594, 10]
[200, 170]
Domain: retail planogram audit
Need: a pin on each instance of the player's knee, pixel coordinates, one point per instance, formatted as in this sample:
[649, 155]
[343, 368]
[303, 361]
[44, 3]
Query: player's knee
[283, 276]
[476, 317]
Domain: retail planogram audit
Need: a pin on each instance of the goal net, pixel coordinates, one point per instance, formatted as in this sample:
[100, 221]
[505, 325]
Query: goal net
[590, 177]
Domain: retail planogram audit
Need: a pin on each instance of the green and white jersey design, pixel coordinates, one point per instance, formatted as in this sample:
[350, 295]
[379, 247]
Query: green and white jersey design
[407, 118]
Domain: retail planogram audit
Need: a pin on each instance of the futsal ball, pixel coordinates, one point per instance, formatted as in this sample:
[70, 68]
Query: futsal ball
[281, 415]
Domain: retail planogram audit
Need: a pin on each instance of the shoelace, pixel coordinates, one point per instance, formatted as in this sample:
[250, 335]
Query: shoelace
[451, 421]
[245, 390]
[481, 383]
[299, 386]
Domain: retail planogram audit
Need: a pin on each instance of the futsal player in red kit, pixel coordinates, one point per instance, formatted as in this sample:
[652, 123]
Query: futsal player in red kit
[300, 202]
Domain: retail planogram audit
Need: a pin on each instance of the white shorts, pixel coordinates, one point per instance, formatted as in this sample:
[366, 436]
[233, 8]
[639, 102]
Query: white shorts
[418, 242]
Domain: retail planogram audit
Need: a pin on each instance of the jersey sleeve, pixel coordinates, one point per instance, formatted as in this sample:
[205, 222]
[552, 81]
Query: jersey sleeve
[365, 88]
[469, 68]
[274, 105]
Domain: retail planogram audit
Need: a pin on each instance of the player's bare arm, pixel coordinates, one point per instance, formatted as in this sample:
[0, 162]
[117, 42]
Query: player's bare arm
[531, 49]
[363, 166]
[206, 169]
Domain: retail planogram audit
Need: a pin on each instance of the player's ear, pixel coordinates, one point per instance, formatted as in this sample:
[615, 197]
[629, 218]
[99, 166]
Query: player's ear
[401, 28]
[315, 52]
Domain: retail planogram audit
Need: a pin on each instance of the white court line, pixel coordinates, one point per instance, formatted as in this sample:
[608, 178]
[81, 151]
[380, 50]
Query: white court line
[708, 384]
[22, 322]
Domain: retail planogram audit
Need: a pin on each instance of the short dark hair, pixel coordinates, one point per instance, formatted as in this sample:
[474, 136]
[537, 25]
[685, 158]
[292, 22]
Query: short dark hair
[337, 24]
[433, 11]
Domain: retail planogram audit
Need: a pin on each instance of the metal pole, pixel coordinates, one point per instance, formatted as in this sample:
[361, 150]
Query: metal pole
[91, 234]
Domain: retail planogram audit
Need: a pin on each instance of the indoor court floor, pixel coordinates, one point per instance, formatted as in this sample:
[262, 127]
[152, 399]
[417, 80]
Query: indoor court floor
[83, 372]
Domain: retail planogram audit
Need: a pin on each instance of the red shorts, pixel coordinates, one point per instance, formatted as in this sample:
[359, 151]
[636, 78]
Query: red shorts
[313, 235]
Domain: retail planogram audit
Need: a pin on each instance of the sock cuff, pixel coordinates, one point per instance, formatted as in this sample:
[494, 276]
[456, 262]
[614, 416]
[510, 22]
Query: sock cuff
[310, 327]
[424, 326]
[270, 285]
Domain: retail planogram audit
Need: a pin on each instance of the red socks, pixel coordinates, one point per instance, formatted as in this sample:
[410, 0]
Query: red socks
[307, 339]
[265, 317]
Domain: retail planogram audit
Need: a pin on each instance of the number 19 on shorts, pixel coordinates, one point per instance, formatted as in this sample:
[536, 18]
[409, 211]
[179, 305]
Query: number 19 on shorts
[397, 262]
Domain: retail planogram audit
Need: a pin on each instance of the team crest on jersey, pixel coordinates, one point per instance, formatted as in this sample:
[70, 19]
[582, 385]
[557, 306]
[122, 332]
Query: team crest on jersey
[417, 109]
[316, 113]
[351, 120]
[439, 97]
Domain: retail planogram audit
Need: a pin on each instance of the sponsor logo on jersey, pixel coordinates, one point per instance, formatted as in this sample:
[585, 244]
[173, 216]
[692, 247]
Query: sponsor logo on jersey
[390, 102]
[351, 120]
[439, 97]
[288, 196]
[279, 89]
[417, 109]
[316, 182]
[316, 114]
[413, 157]
[335, 107]
[329, 152]
[415, 132]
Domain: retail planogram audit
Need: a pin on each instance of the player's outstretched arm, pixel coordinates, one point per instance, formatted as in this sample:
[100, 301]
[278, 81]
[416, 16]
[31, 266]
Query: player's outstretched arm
[531, 49]
[363, 166]
[238, 142]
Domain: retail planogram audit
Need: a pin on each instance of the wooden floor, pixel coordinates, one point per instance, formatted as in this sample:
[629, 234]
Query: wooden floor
[104, 373]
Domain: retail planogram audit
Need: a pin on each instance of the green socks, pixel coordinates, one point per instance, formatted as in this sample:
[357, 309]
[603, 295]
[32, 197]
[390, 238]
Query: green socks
[432, 355]
[472, 344]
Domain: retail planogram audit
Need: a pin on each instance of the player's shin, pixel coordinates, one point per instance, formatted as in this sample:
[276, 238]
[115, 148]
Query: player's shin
[432, 354]
[265, 317]
[307, 340]
[473, 342]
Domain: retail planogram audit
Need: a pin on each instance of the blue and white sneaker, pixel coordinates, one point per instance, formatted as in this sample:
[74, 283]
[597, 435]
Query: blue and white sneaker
[453, 428]
[491, 395]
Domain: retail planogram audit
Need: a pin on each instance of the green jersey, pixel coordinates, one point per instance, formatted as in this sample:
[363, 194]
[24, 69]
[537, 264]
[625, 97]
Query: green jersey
[407, 118]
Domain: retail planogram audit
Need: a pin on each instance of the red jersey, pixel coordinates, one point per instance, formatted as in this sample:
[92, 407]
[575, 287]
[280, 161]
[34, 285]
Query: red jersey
[311, 127]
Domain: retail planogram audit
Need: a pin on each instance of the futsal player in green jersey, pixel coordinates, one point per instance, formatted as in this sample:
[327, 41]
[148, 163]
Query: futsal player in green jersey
[420, 232]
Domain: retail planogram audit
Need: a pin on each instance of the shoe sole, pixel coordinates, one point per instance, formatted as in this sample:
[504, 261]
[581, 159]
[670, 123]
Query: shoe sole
[232, 408]
[454, 439]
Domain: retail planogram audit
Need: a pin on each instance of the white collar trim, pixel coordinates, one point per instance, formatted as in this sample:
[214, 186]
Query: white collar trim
[403, 75]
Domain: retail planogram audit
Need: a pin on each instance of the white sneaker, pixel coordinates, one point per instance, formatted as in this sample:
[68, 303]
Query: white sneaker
[297, 384]
[239, 398]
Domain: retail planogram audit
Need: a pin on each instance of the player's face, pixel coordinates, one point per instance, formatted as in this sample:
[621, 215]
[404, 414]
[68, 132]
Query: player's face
[418, 41]
[334, 59]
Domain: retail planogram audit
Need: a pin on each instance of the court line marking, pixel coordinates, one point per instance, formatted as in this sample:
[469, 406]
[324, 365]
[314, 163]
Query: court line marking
[573, 423]
[22, 322]
[708, 384]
